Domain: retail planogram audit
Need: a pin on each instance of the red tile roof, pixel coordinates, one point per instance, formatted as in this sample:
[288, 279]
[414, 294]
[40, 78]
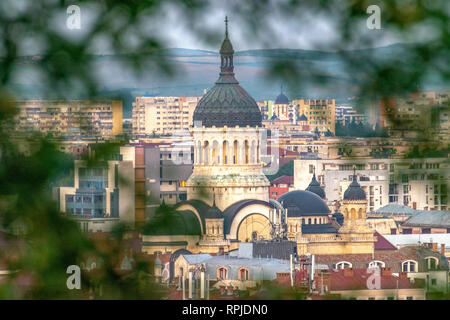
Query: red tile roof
[356, 279]
[382, 243]
[391, 258]
[289, 180]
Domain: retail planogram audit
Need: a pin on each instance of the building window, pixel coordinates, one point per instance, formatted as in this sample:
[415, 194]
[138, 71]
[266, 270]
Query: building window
[409, 266]
[243, 274]
[343, 265]
[407, 231]
[432, 263]
[376, 264]
[222, 273]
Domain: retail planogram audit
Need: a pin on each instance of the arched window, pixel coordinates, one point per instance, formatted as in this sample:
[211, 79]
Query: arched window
[235, 152]
[343, 265]
[376, 264]
[315, 220]
[303, 220]
[353, 213]
[225, 152]
[432, 263]
[309, 220]
[243, 274]
[246, 151]
[222, 273]
[409, 266]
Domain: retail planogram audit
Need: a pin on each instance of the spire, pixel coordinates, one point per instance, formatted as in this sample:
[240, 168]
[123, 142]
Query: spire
[226, 56]
[314, 186]
[354, 190]
[214, 200]
[226, 27]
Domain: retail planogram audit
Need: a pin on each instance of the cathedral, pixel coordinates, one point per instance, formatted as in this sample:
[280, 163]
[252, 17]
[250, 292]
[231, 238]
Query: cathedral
[228, 193]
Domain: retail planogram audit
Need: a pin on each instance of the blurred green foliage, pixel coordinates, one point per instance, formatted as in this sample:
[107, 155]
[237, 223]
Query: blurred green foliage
[45, 242]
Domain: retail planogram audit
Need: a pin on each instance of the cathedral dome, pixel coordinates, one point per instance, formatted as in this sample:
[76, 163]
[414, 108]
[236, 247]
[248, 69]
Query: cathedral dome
[213, 212]
[303, 203]
[354, 191]
[227, 103]
[303, 118]
[282, 99]
[314, 187]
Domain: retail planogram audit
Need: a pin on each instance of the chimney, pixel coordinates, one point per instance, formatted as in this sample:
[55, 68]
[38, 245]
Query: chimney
[435, 247]
[443, 249]
[348, 272]
[386, 272]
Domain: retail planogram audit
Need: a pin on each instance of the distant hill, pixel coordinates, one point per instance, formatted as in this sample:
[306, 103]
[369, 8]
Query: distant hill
[322, 73]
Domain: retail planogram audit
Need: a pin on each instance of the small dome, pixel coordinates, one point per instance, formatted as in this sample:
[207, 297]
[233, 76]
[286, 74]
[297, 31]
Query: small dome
[303, 118]
[227, 47]
[214, 212]
[354, 191]
[314, 187]
[303, 203]
[282, 99]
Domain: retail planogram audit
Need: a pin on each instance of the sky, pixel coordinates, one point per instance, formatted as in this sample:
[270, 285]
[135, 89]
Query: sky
[306, 29]
[310, 30]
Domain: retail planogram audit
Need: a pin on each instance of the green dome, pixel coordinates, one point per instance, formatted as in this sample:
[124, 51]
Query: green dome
[173, 223]
[227, 103]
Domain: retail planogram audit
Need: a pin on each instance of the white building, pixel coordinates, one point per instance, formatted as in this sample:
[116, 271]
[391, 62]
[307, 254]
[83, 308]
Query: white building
[162, 115]
[102, 195]
[418, 183]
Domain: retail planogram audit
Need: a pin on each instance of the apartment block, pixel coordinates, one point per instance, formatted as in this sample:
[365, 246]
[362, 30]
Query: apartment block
[70, 118]
[346, 115]
[162, 115]
[425, 113]
[102, 195]
[320, 113]
[161, 171]
[418, 183]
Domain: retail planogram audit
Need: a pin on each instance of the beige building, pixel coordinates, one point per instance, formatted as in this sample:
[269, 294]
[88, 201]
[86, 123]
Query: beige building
[70, 118]
[162, 115]
[320, 113]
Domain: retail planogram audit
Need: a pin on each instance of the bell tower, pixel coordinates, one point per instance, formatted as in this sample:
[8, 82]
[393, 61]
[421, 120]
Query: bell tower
[354, 208]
